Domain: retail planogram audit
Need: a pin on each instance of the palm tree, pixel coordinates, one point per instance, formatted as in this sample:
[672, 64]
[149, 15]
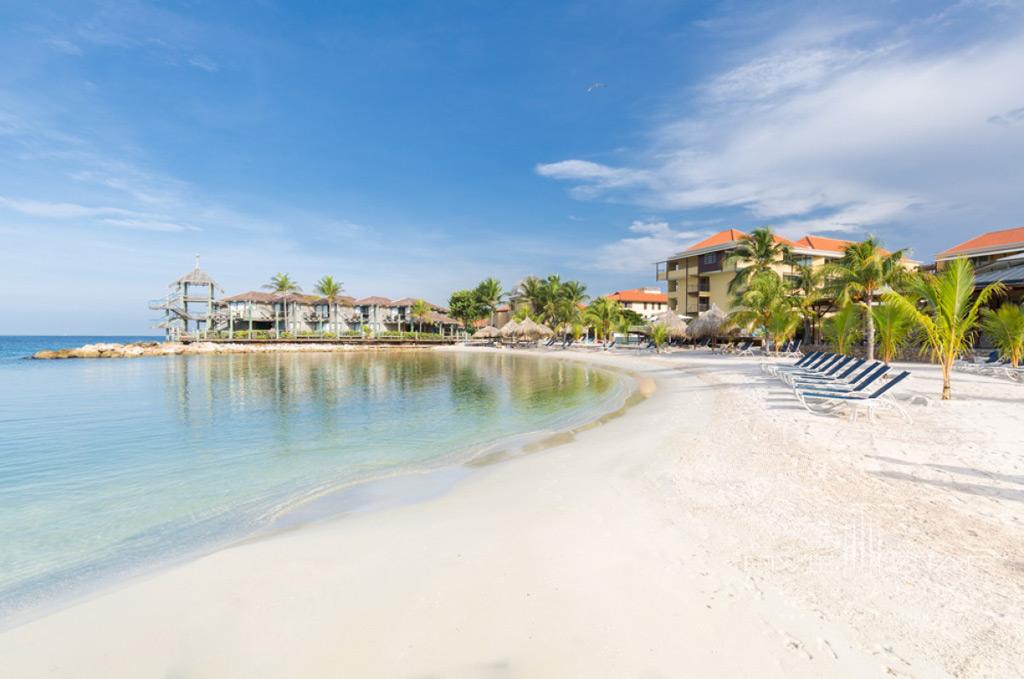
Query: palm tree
[420, 310]
[843, 329]
[282, 284]
[765, 304]
[532, 290]
[761, 250]
[659, 335]
[894, 327]
[1005, 327]
[603, 314]
[949, 315]
[489, 293]
[810, 298]
[330, 289]
[864, 270]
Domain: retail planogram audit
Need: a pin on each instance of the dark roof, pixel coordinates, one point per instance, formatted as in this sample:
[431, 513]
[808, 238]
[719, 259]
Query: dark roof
[251, 296]
[373, 301]
[1010, 275]
[343, 300]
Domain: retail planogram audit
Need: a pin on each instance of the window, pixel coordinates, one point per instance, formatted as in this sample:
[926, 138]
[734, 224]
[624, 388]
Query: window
[704, 284]
[803, 260]
[704, 304]
[711, 258]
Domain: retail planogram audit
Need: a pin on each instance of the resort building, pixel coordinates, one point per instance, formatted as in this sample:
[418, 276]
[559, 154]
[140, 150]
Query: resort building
[998, 256]
[648, 302]
[699, 276]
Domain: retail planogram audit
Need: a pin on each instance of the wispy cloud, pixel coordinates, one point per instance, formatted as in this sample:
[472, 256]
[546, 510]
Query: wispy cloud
[840, 135]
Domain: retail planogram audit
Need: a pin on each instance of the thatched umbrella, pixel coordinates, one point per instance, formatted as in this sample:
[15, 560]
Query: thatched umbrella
[677, 328]
[509, 330]
[709, 323]
[531, 330]
[487, 332]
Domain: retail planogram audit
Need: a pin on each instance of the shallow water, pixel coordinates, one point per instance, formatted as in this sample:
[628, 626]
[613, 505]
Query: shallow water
[108, 467]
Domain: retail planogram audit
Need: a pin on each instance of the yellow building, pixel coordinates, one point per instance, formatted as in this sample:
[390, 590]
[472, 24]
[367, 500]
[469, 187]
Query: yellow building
[699, 276]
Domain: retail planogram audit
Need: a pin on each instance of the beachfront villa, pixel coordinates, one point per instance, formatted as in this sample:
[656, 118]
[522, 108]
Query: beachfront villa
[193, 309]
[699, 276]
[648, 302]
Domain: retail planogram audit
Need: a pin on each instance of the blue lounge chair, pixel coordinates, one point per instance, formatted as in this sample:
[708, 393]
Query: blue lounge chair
[823, 402]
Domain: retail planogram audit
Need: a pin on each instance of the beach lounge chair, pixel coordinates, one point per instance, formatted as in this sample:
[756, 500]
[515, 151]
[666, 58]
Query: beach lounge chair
[858, 381]
[830, 369]
[977, 366]
[820, 367]
[770, 368]
[823, 402]
[812, 364]
[845, 373]
[794, 349]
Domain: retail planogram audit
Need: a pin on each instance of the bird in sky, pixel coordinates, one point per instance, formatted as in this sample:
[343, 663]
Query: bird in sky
[595, 86]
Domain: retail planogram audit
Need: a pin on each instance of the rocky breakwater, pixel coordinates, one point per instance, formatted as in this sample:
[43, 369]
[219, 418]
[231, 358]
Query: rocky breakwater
[140, 349]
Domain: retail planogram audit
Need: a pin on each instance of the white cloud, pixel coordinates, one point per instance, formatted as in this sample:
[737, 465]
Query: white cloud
[65, 46]
[205, 63]
[838, 138]
[637, 254]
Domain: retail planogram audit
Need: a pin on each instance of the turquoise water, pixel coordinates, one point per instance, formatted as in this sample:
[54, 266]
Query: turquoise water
[109, 466]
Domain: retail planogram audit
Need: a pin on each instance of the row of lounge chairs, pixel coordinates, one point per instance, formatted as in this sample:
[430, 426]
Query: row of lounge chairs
[994, 366]
[828, 383]
[789, 349]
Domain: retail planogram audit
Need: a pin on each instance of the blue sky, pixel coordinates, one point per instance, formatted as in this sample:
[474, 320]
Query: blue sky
[413, 148]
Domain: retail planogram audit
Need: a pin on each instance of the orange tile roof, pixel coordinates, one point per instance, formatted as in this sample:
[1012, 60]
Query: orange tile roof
[729, 236]
[638, 295]
[987, 241]
[822, 243]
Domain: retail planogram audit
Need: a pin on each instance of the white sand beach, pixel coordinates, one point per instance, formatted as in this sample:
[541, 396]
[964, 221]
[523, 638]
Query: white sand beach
[716, 529]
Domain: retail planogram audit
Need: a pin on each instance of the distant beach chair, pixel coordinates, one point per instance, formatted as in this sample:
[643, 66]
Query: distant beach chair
[770, 368]
[826, 367]
[823, 402]
[794, 350]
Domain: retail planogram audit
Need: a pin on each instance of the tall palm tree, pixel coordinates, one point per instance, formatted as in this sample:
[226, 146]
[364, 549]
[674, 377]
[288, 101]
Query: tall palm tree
[761, 251]
[489, 293]
[330, 289]
[1005, 327]
[603, 314]
[532, 290]
[282, 285]
[810, 298]
[420, 310]
[862, 273]
[949, 316]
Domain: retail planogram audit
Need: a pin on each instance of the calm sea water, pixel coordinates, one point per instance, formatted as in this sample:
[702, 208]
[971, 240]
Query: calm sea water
[112, 466]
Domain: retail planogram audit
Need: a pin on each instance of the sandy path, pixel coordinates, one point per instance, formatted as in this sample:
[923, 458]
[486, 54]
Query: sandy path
[712, 531]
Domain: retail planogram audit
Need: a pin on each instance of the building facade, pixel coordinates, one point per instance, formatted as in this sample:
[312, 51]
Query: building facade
[998, 257]
[700, 275]
[648, 302]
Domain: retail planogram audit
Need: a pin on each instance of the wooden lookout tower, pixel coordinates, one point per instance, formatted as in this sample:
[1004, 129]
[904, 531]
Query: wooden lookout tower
[189, 306]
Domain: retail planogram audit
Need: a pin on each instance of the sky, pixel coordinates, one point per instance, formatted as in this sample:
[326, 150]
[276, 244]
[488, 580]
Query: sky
[413, 148]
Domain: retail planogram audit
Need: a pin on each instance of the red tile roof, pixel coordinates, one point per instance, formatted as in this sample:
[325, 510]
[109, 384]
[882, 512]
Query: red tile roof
[638, 295]
[822, 243]
[988, 241]
[729, 236]
[373, 301]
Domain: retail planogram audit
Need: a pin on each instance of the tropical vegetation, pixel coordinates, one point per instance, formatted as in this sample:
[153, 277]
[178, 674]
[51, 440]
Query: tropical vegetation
[860, 276]
[765, 305]
[331, 290]
[603, 315]
[1005, 329]
[893, 328]
[761, 250]
[843, 329]
[946, 309]
[283, 284]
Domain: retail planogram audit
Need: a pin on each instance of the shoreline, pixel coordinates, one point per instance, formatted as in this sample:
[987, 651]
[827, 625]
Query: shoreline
[397, 487]
[205, 348]
[713, 529]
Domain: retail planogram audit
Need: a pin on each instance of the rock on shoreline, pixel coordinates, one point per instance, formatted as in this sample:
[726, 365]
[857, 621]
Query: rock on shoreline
[139, 349]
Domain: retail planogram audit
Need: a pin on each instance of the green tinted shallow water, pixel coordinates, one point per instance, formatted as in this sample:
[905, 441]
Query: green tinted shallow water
[111, 466]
